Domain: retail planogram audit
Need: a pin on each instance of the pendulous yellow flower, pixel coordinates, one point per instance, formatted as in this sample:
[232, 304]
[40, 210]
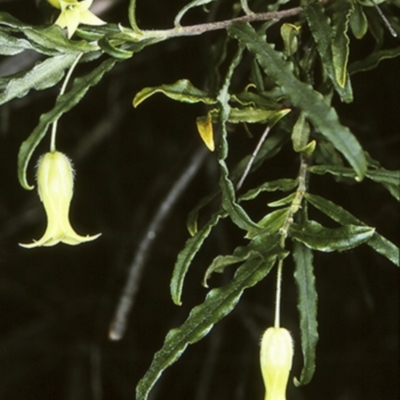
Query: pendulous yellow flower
[73, 13]
[276, 356]
[55, 179]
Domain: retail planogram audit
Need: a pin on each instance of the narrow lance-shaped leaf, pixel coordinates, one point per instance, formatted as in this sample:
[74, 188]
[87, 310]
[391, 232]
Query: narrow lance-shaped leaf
[218, 303]
[187, 254]
[389, 179]
[341, 41]
[43, 75]
[63, 104]
[307, 306]
[317, 237]
[372, 61]
[377, 242]
[312, 103]
[185, 9]
[181, 90]
[323, 35]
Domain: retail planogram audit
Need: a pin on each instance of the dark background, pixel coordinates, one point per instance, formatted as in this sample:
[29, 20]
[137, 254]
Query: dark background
[56, 304]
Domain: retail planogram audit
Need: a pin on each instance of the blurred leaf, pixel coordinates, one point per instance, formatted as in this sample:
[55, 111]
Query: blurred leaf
[185, 9]
[373, 60]
[218, 303]
[389, 179]
[10, 45]
[323, 36]
[182, 90]
[283, 201]
[303, 96]
[187, 254]
[289, 33]
[43, 75]
[317, 237]
[379, 243]
[358, 21]
[307, 306]
[340, 40]
[63, 104]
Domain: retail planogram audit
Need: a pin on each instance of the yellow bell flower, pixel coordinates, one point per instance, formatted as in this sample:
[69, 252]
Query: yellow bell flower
[73, 13]
[55, 179]
[276, 356]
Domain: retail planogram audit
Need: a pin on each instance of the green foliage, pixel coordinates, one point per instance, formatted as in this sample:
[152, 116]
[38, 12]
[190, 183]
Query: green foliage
[278, 90]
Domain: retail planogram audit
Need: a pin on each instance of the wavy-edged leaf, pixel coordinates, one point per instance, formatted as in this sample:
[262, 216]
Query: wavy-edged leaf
[324, 117]
[323, 35]
[187, 254]
[340, 40]
[63, 104]
[372, 61]
[218, 303]
[284, 185]
[389, 179]
[307, 305]
[272, 222]
[181, 90]
[43, 75]
[317, 237]
[377, 242]
[9, 45]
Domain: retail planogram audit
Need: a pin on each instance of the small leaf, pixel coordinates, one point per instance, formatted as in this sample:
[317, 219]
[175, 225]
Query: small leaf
[205, 129]
[358, 21]
[317, 237]
[43, 75]
[253, 115]
[307, 306]
[283, 201]
[379, 243]
[312, 103]
[63, 104]
[182, 91]
[218, 303]
[289, 33]
[271, 223]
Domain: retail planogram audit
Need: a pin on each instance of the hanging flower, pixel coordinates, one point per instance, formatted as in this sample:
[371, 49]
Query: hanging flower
[55, 179]
[73, 13]
[276, 362]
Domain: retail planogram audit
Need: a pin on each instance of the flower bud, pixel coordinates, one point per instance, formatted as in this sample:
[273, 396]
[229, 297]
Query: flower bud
[55, 179]
[276, 362]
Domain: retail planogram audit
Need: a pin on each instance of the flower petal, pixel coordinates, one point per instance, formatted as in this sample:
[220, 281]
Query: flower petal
[88, 18]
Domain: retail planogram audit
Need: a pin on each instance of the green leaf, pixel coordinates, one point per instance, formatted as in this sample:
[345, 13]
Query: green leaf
[187, 254]
[43, 75]
[10, 45]
[271, 223]
[253, 115]
[285, 185]
[340, 40]
[63, 104]
[389, 179]
[312, 103]
[372, 61]
[182, 91]
[323, 35]
[317, 237]
[307, 305]
[377, 242]
[218, 303]
[283, 201]
[185, 9]
[358, 21]
[236, 212]
[114, 49]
